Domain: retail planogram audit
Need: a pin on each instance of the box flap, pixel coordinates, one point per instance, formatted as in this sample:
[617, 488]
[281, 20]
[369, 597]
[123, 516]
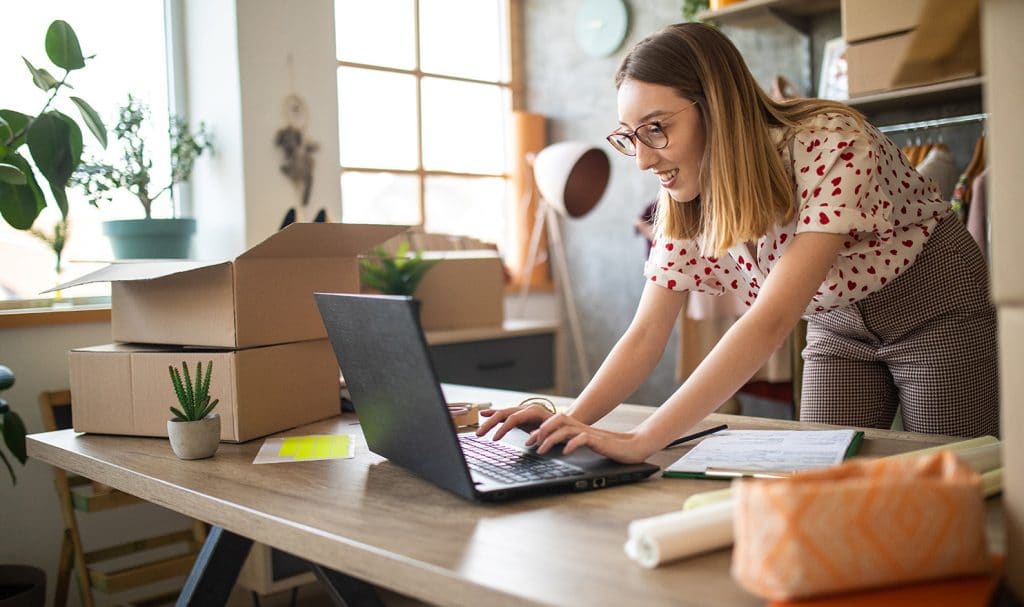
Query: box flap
[142, 270]
[323, 240]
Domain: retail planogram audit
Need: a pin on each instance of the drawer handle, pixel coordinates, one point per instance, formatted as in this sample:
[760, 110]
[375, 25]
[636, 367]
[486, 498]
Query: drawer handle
[501, 364]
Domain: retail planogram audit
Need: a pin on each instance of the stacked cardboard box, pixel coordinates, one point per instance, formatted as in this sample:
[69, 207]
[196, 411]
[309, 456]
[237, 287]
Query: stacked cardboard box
[893, 45]
[253, 315]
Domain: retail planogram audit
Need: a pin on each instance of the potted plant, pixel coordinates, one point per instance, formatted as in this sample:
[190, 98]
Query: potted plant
[53, 139]
[148, 237]
[20, 585]
[397, 274]
[194, 430]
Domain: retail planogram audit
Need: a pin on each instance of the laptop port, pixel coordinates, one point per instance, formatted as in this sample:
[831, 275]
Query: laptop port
[599, 482]
[580, 484]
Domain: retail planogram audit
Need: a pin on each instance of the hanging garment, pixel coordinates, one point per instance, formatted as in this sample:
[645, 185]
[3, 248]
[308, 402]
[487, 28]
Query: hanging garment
[940, 167]
[977, 218]
[961, 200]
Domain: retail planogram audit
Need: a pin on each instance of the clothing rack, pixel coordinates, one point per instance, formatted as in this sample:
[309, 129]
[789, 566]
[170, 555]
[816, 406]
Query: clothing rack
[931, 124]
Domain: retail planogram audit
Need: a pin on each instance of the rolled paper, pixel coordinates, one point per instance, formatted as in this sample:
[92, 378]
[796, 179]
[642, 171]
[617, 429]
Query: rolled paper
[992, 482]
[959, 446]
[706, 498]
[667, 537]
[982, 459]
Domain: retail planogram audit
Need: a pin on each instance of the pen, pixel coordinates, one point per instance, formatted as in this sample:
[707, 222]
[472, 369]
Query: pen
[695, 435]
[749, 473]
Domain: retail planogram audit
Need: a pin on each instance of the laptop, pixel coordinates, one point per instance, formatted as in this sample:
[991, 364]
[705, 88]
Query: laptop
[388, 370]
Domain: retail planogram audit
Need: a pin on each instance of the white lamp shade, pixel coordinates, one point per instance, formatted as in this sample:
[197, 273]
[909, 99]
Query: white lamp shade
[571, 176]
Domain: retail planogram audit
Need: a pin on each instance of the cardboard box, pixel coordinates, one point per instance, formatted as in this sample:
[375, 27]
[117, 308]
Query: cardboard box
[903, 44]
[464, 289]
[126, 388]
[866, 19]
[264, 296]
[881, 65]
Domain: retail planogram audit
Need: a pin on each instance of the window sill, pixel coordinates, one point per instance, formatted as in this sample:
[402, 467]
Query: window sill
[44, 312]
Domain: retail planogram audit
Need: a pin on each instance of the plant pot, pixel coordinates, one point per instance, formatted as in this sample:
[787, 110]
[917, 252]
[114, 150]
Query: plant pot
[195, 440]
[22, 586]
[150, 238]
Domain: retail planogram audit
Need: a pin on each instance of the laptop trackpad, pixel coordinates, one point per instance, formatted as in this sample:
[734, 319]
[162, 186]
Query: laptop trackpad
[583, 457]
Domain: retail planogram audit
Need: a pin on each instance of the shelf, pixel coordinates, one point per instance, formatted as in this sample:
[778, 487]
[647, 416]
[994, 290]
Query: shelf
[942, 92]
[793, 12]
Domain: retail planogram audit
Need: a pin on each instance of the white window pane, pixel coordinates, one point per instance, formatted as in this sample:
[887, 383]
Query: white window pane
[464, 126]
[388, 198]
[139, 51]
[377, 119]
[469, 206]
[464, 38]
[381, 32]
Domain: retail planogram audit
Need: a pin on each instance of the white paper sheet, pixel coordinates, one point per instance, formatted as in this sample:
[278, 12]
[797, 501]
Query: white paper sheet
[766, 450]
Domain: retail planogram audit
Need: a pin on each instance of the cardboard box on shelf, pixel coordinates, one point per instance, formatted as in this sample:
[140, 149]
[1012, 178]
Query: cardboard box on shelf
[464, 289]
[126, 388]
[875, 66]
[866, 19]
[943, 44]
[264, 296]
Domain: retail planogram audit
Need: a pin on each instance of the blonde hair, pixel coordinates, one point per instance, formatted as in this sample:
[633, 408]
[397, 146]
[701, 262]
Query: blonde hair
[744, 187]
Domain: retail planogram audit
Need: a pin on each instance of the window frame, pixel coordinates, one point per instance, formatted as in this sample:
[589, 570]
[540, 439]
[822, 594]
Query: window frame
[511, 86]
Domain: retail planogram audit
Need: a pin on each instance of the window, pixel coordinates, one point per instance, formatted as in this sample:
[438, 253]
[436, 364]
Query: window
[424, 99]
[127, 60]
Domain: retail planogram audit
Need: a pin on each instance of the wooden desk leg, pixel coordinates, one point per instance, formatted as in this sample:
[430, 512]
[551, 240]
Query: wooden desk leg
[346, 590]
[216, 569]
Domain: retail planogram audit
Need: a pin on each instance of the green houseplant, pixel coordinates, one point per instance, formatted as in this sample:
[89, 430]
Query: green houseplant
[397, 274]
[194, 431]
[53, 139]
[133, 173]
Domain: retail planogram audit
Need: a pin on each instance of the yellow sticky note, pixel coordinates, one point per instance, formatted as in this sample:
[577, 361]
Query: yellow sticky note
[305, 448]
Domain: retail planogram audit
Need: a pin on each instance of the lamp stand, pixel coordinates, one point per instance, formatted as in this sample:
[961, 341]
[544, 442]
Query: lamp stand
[547, 216]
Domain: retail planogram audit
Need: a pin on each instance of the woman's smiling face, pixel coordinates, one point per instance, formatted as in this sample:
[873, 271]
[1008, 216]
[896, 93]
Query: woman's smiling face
[677, 165]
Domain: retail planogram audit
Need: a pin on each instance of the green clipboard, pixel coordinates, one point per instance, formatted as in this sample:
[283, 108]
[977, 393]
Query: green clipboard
[851, 450]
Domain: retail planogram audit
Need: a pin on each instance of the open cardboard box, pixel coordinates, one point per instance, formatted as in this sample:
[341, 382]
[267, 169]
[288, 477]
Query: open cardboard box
[126, 388]
[264, 296]
[464, 289]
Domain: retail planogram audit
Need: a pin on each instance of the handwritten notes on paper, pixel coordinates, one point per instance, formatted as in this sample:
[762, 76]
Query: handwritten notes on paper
[305, 448]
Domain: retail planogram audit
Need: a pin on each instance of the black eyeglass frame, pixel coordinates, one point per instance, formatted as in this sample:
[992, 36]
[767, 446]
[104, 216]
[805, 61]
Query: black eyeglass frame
[634, 135]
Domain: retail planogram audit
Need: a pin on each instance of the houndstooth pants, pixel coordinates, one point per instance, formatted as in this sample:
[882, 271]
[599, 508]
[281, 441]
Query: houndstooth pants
[926, 343]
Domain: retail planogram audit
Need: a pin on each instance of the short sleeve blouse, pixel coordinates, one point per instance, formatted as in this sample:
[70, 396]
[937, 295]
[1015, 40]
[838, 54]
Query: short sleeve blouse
[848, 180]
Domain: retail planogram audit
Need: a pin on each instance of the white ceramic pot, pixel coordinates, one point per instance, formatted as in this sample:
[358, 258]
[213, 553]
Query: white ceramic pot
[195, 440]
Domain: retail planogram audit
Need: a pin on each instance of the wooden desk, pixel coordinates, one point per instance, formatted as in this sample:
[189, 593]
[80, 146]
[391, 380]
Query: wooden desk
[370, 519]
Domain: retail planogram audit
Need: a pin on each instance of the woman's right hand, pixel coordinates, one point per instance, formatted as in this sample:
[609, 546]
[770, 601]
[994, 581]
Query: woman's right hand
[511, 417]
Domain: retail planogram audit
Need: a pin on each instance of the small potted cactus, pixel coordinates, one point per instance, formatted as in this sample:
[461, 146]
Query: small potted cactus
[194, 430]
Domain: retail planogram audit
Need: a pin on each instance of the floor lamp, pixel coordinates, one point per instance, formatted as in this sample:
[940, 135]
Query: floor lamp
[571, 177]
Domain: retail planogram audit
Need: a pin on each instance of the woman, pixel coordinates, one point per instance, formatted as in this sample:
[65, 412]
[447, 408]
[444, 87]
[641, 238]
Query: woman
[801, 209]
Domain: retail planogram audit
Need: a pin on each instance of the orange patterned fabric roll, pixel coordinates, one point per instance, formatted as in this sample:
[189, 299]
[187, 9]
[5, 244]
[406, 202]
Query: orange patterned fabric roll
[859, 525]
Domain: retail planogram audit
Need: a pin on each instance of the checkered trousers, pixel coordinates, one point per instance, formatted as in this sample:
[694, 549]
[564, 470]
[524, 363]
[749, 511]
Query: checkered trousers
[926, 343]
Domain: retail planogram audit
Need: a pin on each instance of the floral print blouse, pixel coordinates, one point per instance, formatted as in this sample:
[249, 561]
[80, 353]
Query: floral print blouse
[847, 180]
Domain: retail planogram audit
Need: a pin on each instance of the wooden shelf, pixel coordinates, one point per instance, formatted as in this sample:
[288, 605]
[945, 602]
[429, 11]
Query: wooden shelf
[794, 12]
[942, 92]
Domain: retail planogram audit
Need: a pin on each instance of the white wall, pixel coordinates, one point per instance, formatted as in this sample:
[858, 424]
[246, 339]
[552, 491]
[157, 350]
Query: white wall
[243, 60]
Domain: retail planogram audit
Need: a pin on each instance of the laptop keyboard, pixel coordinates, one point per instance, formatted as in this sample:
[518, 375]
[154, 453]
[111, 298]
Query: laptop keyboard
[509, 464]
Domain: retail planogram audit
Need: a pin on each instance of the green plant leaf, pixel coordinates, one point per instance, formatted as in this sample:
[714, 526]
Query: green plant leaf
[178, 415]
[40, 77]
[21, 204]
[62, 46]
[92, 120]
[53, 144]
[14, 435]
[16, 123]
[11, 174]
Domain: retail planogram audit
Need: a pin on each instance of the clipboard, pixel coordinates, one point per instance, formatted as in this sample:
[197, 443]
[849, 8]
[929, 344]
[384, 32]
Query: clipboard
[782, 453]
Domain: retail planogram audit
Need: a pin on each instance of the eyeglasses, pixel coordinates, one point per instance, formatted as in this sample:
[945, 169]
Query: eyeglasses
[649, 134]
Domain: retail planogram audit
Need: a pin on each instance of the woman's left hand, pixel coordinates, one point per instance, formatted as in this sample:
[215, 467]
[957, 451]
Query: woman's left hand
[622, 447]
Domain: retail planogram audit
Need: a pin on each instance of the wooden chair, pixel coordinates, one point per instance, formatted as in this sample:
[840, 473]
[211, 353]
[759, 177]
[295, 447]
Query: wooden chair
[78, 494]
